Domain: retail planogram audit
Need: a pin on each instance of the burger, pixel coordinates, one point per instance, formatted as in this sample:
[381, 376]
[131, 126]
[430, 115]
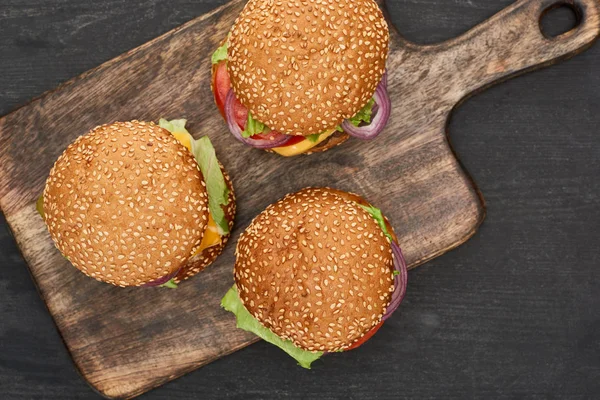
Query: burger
[139, 204]
[299, 77]
[317, 272]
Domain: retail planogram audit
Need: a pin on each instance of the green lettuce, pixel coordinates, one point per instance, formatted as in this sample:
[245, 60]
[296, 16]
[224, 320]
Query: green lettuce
[232, 303]
[313, 138]
[176, 125]
[378, 216]
[218, 192]
[204, 152]
[171, 284]
[253, 127]
[363, 115]
[220, 54]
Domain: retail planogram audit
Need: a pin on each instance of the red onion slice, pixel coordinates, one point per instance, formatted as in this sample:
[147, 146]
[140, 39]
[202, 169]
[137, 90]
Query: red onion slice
[277, 140]
[379, 120]
[400, 281]
[162, 281]
[374, 110]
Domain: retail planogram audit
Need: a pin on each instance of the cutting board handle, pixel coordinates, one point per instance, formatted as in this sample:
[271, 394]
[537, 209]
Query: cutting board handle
[508, 44]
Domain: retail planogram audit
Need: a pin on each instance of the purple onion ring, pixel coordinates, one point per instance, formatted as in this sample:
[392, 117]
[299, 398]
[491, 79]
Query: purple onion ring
[400, 281]
[163, 280]
[379, 119]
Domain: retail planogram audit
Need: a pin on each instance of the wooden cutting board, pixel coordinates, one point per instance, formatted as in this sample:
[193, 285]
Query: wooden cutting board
[127, 341]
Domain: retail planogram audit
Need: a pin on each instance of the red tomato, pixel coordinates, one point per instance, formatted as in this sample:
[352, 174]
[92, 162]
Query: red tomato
[240, 113]
[272, 135]
[221, 85]
[367, 336]
[294, 140]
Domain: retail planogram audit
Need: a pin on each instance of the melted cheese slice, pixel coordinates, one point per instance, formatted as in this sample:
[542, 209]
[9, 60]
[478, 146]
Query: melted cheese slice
[184, 138]
[211, 236]
[303, 146]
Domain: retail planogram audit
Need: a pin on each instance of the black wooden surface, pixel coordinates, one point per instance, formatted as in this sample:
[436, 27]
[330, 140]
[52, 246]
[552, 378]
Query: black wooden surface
[513, 313]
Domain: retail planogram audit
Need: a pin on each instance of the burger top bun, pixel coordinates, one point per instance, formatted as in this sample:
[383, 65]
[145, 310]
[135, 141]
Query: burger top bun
[126, 204]
[302, 67]
[315, 268]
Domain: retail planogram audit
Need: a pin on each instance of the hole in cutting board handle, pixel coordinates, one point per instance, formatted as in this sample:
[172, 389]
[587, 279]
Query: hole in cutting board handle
[559, 19]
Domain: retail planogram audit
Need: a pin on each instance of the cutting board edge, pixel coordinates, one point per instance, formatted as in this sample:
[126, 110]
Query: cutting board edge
[88, 378]
[44, 299]
[105, 391]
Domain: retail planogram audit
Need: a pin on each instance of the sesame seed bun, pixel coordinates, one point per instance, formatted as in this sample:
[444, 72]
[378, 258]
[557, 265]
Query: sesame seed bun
[201, 261]
[126, 203]
[315, 268]
[334, 140]
[302, 67]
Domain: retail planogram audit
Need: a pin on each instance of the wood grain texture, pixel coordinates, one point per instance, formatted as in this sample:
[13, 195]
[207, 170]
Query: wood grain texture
[440, 207]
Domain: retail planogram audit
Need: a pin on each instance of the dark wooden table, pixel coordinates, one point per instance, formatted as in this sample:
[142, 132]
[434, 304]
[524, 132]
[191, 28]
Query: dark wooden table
[514, 313]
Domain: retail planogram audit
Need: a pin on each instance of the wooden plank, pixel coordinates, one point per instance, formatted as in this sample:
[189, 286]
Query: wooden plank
[127, 341]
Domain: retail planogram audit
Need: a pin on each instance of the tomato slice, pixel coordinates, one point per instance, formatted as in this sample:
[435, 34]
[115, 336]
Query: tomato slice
[270, 135]
[294, 140]
[240, 113]
[367, 336]
[221, 85]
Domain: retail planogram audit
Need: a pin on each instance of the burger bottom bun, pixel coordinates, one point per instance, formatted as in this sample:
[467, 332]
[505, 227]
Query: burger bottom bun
[332, 141]
[201, 261]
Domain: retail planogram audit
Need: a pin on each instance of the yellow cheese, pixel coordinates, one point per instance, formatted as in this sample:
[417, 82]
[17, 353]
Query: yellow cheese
[303, 146]
[211, 234]
[184, 138]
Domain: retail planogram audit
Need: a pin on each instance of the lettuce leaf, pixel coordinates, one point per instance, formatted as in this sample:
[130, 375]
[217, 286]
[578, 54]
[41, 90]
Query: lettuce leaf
[176, 125]
[363, 115]
[220, 54]
[171, 284]
[232, 303]
[253, 127]
[378, 216]
[218, 192]
[313, 138]
[204, 152]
